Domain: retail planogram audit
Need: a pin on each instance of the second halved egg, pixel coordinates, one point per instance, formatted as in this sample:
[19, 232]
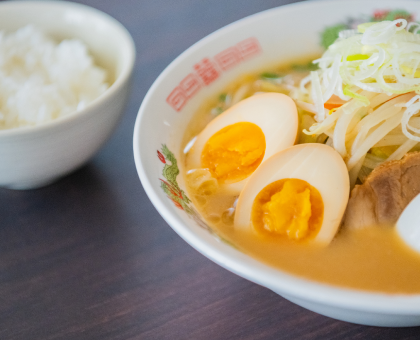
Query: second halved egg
[234, 144]
[300, 193]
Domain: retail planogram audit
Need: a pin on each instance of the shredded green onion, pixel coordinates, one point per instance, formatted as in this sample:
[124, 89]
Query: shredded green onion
[356, 96]
[357, 57]
[222, 97]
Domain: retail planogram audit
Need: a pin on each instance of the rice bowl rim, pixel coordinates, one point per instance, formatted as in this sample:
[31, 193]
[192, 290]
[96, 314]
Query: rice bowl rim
[128, 52]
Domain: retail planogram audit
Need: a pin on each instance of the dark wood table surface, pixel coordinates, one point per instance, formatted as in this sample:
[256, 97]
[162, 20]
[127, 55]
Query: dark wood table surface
[89, 257]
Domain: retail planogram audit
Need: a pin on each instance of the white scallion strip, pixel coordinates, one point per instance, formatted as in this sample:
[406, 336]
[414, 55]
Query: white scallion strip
[373, 120]
[353, 104]
[360, 114]
[412, 101]
[373, 87]
[409, 112]
[339, 90]
[334, 78]
[329, 133]
[414, 124]
[377, 59]
[412, 24]
[307, 107]
[340, 133]
[379, 133]
[380, 99]
[317, 97]
[340, 130]
[382, 32]
[413, 107]
[383, 112]
[396, 66]
[319, 128]
[347, 34]
[303, 83]
[402, 150]
[353, 173]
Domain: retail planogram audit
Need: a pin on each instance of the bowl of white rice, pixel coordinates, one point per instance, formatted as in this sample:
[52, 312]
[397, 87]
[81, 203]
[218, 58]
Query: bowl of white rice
[65, 73]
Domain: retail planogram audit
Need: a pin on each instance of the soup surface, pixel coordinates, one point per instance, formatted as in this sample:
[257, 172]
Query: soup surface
[372, 258]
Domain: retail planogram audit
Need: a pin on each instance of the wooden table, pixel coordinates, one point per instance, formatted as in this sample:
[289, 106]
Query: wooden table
[90, 258]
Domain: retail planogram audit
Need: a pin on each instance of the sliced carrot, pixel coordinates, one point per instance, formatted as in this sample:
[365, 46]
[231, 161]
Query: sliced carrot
[334, 102]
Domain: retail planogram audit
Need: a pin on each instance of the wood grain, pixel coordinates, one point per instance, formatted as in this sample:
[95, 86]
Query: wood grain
[90, 258]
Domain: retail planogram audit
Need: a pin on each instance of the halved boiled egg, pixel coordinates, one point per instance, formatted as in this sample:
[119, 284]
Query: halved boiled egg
[300, 193]
[408, 225]
[233, 145]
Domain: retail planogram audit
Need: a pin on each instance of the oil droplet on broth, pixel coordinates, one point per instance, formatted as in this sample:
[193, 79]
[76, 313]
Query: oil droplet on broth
[228, 216]
[213, 218]
[200, 199]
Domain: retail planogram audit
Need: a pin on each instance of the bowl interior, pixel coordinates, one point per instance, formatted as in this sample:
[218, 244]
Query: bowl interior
[269, 38]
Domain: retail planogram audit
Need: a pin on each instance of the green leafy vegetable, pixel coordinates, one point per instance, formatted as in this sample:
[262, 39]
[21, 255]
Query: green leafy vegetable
[330, 34]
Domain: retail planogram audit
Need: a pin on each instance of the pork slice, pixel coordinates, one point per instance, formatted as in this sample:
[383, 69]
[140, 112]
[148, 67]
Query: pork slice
[361, 208]
[410, 178]
[385, 183]
[385, 193]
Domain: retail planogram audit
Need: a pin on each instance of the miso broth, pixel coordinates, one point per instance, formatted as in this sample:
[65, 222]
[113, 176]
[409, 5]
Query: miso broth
[373, 258]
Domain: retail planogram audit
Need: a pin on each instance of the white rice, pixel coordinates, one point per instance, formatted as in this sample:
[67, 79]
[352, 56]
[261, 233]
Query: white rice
[41, 80]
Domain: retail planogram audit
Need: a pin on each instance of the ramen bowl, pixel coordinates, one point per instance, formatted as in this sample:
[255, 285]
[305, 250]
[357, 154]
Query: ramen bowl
[34, 156]
[269, 38]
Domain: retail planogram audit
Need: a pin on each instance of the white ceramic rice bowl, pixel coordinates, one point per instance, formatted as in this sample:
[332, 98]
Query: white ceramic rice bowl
[31, 157]
[281, 34]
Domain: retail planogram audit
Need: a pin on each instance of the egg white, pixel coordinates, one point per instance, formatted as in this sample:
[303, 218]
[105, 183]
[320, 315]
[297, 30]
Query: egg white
[276, 115]
[319, 165]
[408, 225]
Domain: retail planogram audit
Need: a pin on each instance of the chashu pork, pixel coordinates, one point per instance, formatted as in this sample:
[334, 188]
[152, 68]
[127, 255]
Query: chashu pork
[385, 193]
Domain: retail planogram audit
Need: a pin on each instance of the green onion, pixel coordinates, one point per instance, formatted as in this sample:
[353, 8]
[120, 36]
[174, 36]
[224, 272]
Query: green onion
[357, 57]
[355, 95]
[222, 97]
[217, 110]
[269, 75]
[305, 67]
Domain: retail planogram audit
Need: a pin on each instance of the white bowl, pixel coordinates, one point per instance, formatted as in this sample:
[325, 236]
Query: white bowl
[267, 38]
[31, 157]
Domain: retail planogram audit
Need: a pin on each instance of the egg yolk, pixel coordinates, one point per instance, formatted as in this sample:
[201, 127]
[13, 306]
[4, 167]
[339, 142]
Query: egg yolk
[234, 152]
[289, 208]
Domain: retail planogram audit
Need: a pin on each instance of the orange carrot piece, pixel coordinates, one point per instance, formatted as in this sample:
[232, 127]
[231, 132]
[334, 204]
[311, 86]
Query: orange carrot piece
[334, 102]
